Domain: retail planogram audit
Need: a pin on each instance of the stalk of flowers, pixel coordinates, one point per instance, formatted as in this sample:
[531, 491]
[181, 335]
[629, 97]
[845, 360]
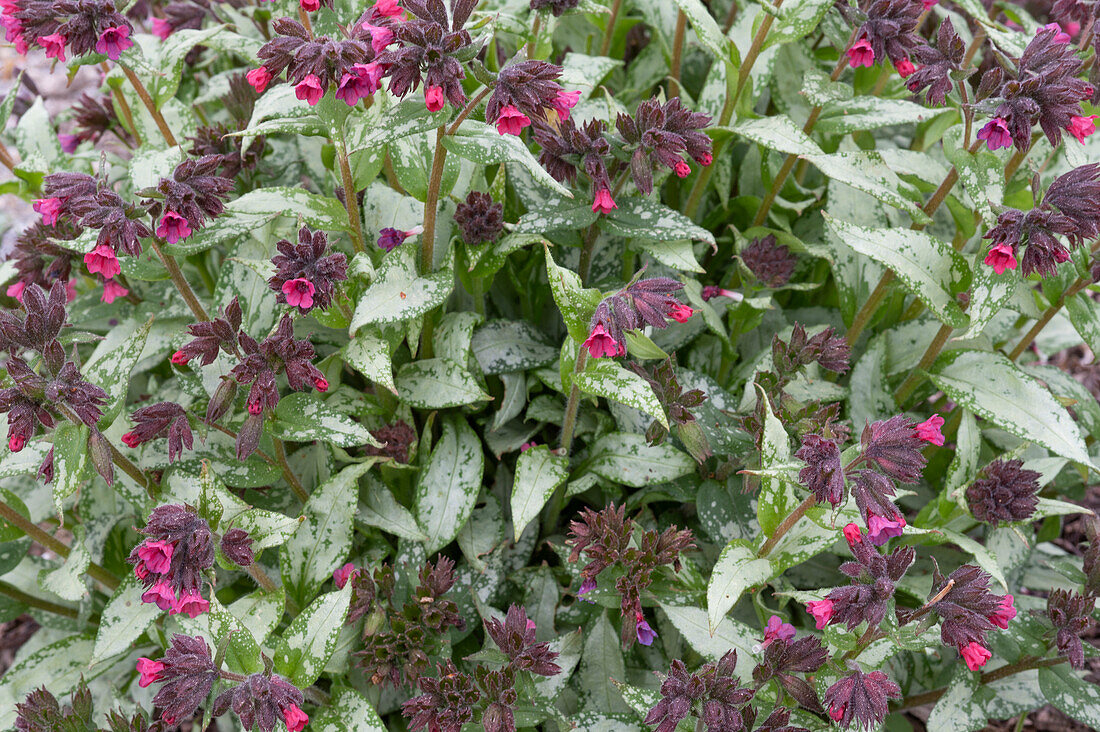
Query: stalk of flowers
[642, 302]
[604, 538]
[81, 26]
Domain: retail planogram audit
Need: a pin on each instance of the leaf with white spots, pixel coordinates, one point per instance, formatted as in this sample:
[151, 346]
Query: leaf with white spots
[480, 143]
[322, 541]
[866, 171]
[706, 28]
[538, 473]
[69, 581]
[305, 647]
[575, 302]
[242, 653]
[778, 133]
[369, 353]
[438, 383]
[727, 635]
[929, 268]
[797, 19]
[997, 390]
[448, 487]
[871, 113]
[381, 510]
[737, 569]
[648, 218]
[626, 459]
[777, 496]
[606, 378]
[556, 216]
[267, 528]
[70, 462]
[601, 662]
[59, 666]
[123, 620]
[111, 363]
[1063, 688]
[399, 293]
[347, 711]
[303, 417]
[678, 254]
[503, 346]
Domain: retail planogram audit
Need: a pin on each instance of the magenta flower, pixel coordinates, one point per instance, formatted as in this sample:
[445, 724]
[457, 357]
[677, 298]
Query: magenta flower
[309, 90]
[150, 670]
[680, 312]
[929, 430]
[299, 293]
[310, 6]
[191, 604]
[861, 54]
[1060, 36]
[928, 4]
[1000, 257]
[380, 36]
[69, 143]
[775, 630]
[389, 8]
[712, 291]
[343, 574]
[603, 203]
[156, 556]
[16, 290]
[173, 227]
[587, 586]
[512, 121]
[880, 528]
[103, 260]
[646, 634]
[50, 208]
[434, 98]
[295, 718]
[1082, 127]
[161, 28]
[54, 45]
[852, 534]
[681, 169]
[162, 594]
[527, 446]
[975, 655]
[112, 291]
[359, 85]
[389, 238]
[259, 78]
[564, 102]
[17, 442]
[904, 67]
[180, 358]
[600, 343]
[996, 134]
[113, 41]
[1005, 613]
[822, 612]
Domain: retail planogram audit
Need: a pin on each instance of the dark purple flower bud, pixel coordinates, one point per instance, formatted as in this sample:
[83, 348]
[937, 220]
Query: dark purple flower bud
[100, 450]
[45, 470]
[867, 598]
[714, 687]
[936, 64]
[164, 419]
[218, 140]
[783, 658]
[428, 51]
[187, 675]
[1070, 614]
[861, 699]
[823, 474]
[175, 557]
[557, 7]
[516, 639]
[212, 336]
[1006, 493]
[237, 547]
[499, 686]
[771, 262]
[93, 117]
[566, 149]
[894, 446]
[447, 702]
[305, 277]
[825, 348]
[396, 440]
[222, 400]
[262, 701]
[664, 135]
[967, 607]
[196, 191]
[248, 436]
[479, 218]
[84, 399]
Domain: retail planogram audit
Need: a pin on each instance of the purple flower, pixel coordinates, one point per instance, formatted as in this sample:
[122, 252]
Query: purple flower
[306, 273]
[390, 238]
[165, 419]
[113, 41]
[447, 702]
[587, 586]
[861, 699]
[823, 474]
[1006, 493]
[479, 218]
[996, 134]
[187, 675]
[770, 262]
[194, 192]
[1070, 613]
[646, 634]
[894, 446]
[515, 637]
[775, 630]
[262, 701]
[557, 7]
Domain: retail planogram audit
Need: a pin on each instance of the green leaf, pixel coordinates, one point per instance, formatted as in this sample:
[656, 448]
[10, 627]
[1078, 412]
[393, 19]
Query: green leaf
[679, 254]
[712, 644]
[448, 487]
[172, 52]
[776, 496]
[480, 143]
[602, 661]
[404, 119]
[929, 268]
[70, 462]
[606, 378]
[303, 417]
[400, 293]
[369, 353]
[59, 666]
[112, 362]
[866, 171]
[267, 528]
[995, 389]
[871, 113]
[778, 133]
[538, 472]
[242, 654]
[36, 141]
[382, 510]
[69, 581]
[575, 303]
[797, 20]
[322, 541]
[649, 219]
[502, 346]
[1083, 314]
[438, 383]
[626, 459]
[123, 620]
[1063, 688]
[347, 711]
[556, 216]
[706, 28]
[737, 569]
[305, 647]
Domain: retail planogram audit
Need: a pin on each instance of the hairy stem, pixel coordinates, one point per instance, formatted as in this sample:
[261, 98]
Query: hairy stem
[470, 107]
[1027, 663]
[1029, 338]
[47, 541]
[150, 105]
[36, 602]
[584, 267]
[569, 422]
[610, 32]
[916, 375]
[288, 474]
[351, 197]
[788, 523]
[124, 106]
[536, 26]
[677, 55]
[176, 274]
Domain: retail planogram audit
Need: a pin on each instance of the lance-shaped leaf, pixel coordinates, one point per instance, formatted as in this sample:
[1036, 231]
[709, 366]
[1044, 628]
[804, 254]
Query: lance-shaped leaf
[737, 569]
[538, 472]
[625, 458]
[448, 488]
[303, 417]
[306, 646]
[479, 143]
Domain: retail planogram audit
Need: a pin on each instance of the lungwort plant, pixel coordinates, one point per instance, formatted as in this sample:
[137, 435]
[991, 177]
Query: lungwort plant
[551, 365]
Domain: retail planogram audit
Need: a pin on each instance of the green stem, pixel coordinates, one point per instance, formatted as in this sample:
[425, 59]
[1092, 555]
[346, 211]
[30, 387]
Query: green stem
[124, 106]
[351, 197]
[36, 602]
[677, 55]
[917, 375]
[533, 44]
[288, 474]
[584, 267]
[176, 274]
[788, 523]
[150, 105]
[569, 422]
[47, 541]
[1032, 334]
[610, 32]
[1028, 663]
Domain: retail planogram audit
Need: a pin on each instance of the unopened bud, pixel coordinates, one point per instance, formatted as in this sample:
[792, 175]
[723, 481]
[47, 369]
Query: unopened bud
[100, 451]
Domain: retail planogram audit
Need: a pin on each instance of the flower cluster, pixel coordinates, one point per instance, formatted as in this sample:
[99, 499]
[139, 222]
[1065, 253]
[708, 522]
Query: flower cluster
[604, 538]
[524, 91]
[663, 135]
[1006, 493]
[479, 218]
[194, 193]
[93, 117]
[713, 694]
[557, 7]
[641, 303]
[40, 711]
[867, 597]
[1069, 209]
[1070, 615]
[784, 656]
[770, 262]
[164, 419]
[305, 276]
[39, 261]
[861, 699]
[968, 610]
[82, 26]
[171, 562]
[885, 30]
[938, 65]
[678, 404]
[186, 673]
[399, 654]
[261, 700]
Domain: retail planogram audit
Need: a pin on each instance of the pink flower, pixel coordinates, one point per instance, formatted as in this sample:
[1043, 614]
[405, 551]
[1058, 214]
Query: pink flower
[103, 260]
[50, 208]
[1006, 612]
[822, 611]
[929, 430]
[310, 6]
[162, 594]
[180, 358]
[150, 671]
[320, 384]
[434, 99]
[389, 8]
[512, 121]
[1082, 127]
[775, 630]
[140, 570]
[299, 292]
[852, 534]
[173, 227]
[161, 28]
[1060, 36]
[310, 90]
[54, 45]
[928, 4]
[380, 37]
[564, 102]
[704, 159]
[600, 343]
[295, 718]
[527, 446]
[680, 312]
[17, 443]
[837, 712]
[905, 67]
[113, 41]
[975, 655]
[995, 133]
[712, 291]
[587, 586]
[880, 528]
[682, 169]
[130, 439]
[192, 605]
[342, 575]
[15, 290]
[861, 54]
[603, 202]
[1000, 257]
[259, 78]
[112, 291]
[646, 634]
[1072, 27]
[157, 555]
[70, 290]
[69, 143]
[363, 83]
